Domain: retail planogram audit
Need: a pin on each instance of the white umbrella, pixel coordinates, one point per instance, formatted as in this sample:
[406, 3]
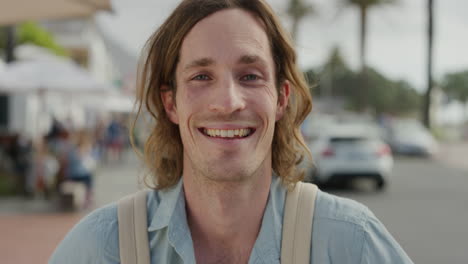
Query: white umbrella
[115, 102]
[56, 75]
[43, 77]
[119, 103]
[32, 52]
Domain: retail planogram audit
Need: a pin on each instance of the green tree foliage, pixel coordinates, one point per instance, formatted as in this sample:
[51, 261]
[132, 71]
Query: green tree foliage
[455, 85]
[298, 10]
[391, 96]
[334, 71]
[363, 6]
[32, 33]
[336, 79]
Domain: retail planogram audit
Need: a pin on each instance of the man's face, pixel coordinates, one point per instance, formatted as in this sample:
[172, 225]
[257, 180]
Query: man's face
[226, 103]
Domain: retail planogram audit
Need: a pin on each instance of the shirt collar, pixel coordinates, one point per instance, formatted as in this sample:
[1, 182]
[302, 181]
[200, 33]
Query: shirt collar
[168, 200]
[171, 213]
[267, 247]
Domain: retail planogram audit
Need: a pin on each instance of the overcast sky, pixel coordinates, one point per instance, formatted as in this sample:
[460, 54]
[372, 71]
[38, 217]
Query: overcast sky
[396, 33]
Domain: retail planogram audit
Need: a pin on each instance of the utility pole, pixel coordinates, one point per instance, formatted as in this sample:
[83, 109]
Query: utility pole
[10, 43]
[9, 57]
[430, 43]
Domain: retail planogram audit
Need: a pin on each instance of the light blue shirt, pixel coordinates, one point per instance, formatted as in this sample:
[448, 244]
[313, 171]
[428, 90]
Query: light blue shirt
[344, 232]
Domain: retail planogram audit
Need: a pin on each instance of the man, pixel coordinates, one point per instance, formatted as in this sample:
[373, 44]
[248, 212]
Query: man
[221, 81]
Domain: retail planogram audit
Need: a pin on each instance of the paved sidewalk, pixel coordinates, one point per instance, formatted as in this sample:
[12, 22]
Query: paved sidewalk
[30, 229]
[32, 238]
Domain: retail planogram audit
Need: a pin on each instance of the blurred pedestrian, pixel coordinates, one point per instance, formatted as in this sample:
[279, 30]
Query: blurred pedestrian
[45, 169]
[21, 154]
[81, 164]
[115, 140]
[59, 144]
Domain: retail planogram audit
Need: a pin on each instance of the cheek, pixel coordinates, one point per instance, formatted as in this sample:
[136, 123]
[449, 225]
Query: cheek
[192, 96]
[269, 100]
[270, 92]
[188, 105]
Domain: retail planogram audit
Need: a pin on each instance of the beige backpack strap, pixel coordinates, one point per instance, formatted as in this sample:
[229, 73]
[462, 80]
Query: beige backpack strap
[133, 231]
[297, 224]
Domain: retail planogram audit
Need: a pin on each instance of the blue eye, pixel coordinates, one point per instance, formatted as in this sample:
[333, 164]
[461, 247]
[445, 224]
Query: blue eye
[250, 77]
[201, 77]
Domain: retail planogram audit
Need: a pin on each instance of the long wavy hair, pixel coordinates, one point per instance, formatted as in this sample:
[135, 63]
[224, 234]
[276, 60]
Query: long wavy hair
[163, 150]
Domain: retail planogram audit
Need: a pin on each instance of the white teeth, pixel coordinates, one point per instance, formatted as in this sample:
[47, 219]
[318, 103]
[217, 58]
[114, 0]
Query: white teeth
[227, 133]
[244, 132]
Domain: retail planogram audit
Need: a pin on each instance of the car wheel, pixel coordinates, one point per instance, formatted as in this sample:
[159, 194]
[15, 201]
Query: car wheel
[380, 184]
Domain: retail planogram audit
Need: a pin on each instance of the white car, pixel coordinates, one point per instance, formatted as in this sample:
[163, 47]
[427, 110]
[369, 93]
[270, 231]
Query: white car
[346, 152]
[410, 137]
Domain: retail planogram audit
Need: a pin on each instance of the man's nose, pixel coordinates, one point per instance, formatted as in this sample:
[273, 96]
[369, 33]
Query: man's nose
[227, 97]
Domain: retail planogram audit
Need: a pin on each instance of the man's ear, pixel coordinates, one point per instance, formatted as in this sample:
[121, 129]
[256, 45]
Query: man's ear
[168, 100]
[283, 99]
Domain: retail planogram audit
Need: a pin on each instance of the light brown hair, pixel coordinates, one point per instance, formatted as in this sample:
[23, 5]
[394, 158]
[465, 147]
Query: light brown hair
[163, 150]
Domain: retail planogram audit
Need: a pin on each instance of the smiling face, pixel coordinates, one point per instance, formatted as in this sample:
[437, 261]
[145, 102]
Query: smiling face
[226, 103]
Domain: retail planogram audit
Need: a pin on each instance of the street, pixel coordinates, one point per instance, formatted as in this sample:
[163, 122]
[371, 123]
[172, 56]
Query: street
[425, 207]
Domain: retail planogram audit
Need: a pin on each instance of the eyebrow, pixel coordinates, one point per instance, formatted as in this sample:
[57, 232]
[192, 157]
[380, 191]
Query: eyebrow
[251, 59]
[203, 62]
[245, 59]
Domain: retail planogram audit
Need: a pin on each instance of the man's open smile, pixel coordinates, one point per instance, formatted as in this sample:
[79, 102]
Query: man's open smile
[238, 133]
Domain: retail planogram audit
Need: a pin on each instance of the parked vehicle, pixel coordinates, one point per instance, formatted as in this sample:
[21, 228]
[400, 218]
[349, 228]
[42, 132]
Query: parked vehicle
[346, 152]
[314, 124]
[410, 137]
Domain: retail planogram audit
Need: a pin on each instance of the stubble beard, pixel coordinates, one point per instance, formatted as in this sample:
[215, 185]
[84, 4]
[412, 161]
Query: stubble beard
[224, 172]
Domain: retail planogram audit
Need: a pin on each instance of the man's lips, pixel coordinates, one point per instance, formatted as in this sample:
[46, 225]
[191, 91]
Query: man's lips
[237, 133]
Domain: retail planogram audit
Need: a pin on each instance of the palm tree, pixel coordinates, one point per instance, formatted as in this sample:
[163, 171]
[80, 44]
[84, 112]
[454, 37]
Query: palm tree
[430, 40]
[334, 68]
[363, 6]
[298, 10]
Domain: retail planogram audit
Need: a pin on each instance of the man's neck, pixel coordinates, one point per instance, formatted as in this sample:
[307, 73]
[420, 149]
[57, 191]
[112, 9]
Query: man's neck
[225, 218]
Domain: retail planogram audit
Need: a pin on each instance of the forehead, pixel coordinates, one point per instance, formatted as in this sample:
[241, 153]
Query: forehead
[226, 34]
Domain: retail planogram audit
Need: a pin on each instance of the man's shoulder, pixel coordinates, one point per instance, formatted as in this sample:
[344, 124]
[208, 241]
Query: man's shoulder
[339, 229]
[99, 223]
[96, 236]
[346, 231]
[108, 214]
[341, 210]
